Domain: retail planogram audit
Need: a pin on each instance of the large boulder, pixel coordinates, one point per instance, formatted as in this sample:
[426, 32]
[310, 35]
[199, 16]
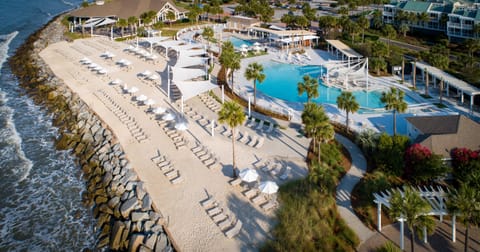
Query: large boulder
[128, 206]
[135, 241]
[162, 243]
[140, 190]
[139, 216]
[115, 239]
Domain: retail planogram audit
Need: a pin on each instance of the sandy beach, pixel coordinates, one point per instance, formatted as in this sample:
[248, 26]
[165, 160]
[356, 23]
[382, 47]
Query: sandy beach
[189, 223]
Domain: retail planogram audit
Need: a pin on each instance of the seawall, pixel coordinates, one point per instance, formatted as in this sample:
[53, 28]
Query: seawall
[127, 219]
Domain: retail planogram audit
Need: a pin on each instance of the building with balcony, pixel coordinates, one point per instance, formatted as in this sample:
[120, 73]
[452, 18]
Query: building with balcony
[456, 20]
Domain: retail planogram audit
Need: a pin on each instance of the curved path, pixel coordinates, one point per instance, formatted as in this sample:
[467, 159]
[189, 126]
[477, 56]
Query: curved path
[344, 189]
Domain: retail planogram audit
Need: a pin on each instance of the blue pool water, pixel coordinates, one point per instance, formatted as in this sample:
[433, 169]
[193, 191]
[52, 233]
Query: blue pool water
[237, 42]
[282, 79]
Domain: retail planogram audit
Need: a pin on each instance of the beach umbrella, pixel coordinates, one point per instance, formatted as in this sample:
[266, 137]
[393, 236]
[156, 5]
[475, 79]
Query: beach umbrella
[133, 90]
[168, 117]
[149, 102]
[153, 77]
[256, 44]
[146, 73]
[116, 82]
[102, 71]
[248, 175]
[268, 187]
[244, 46]
[257, 48]
[181, 126]
[141, 98]
[85, 60]
[121, 61]
[126, 63]
[159, 110]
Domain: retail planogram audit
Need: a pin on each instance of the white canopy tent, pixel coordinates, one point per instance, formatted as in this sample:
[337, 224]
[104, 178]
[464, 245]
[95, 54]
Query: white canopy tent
[192, 52]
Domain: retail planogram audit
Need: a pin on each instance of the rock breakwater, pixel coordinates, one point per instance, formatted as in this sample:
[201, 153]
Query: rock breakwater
[127, 219]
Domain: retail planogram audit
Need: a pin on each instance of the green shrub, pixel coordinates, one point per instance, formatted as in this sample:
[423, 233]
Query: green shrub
[388, 247]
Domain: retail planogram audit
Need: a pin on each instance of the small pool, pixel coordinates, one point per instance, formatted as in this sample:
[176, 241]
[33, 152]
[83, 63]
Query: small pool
[282, 79]
[237, 42]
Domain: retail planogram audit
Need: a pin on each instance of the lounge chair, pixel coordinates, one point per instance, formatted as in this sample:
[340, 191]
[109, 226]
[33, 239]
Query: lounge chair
[260, 142]
[286, 173]
[226, 223]
[270, 128]
[208, 202]
[244, 137]
[276, 170]
[268, 206]
[176, 180]
[235, 182]
[253, 141]
[234, 230]
[259, 200]
[171, 174]
[219, 217]
[214, 211]
[250, 193]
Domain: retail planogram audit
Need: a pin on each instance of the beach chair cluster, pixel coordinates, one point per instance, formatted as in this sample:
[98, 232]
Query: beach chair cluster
[260, 125]
[227, 223]
[94, 67]
[167, 168]
[205, 155]
[252, 141]
[276, 169]
[255, 197]
[135, 130]
[210, 102]
[177, 137]
[141, 53]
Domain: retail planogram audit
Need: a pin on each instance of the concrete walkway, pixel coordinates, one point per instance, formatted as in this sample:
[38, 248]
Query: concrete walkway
[344, 189]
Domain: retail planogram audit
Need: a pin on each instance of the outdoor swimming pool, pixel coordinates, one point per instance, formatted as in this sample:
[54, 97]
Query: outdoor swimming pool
[282, 79]
[237, 42]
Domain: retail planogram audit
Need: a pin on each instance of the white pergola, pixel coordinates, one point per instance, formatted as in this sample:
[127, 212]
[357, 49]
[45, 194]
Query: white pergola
[347, 53]
[461, 86]
[434, 195]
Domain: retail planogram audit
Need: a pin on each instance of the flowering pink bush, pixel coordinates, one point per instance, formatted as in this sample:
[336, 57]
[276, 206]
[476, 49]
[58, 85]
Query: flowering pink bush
[421, 165]
[462, 156]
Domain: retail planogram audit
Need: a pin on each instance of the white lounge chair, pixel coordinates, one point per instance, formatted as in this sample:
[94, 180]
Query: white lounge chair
[260, 142]
[244, 137]
[286, 173]
[234, 230]
[253, 141]
[260, 125]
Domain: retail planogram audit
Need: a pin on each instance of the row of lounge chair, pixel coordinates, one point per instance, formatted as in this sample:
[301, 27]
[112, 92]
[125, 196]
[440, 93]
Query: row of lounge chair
[167, 168]
[141, 53]
[178, 139]
[245, 138]
[135, 130]
[259, 125]
[254, 196]
[229, 225]
[276, 169]
[210, 102]
[207, 157]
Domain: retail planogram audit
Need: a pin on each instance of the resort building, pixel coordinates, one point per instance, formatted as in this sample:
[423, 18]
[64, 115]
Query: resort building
[456, 20]
[442, 134]
[103, 13]
[241, 23]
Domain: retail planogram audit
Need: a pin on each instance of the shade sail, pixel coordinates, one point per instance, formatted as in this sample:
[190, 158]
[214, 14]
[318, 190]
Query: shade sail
[191, 89]
[185, 74]
[186, 61]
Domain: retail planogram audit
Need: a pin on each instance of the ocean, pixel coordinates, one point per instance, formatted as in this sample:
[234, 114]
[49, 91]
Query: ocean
[40, 188]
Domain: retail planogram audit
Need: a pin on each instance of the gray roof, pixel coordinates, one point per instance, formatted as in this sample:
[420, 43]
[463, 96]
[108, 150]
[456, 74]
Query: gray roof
[441, 134]
[123, 8]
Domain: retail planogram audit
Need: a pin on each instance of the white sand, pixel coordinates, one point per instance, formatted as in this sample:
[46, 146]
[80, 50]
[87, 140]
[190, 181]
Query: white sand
[192, 229]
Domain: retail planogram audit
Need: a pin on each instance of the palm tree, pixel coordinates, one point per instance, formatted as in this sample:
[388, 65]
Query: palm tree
[465, 202]
[393, 100]
[346, 101]
[317, 125]
[132, 21]
[404, 28]
[232, 114]
[309, 86]
[254, 72]
[413, 209]
[390, 33]
[122, 23]
[364, 24]
[229, 60]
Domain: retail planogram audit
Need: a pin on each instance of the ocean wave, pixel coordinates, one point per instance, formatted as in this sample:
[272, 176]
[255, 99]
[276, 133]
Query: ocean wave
[5, 41]
[12, 143]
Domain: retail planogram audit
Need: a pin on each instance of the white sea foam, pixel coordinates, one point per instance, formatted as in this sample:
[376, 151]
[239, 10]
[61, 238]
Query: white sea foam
[5, 41]
[68, 3]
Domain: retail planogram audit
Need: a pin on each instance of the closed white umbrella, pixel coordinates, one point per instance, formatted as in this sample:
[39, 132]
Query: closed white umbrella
[268, 187]
[141, 98]
[146, 73]
[133, 90]
[116, 82]
[159, 110]
[153, 77]
[182, 126]
[168, 117]
[249, 175]
[149, 102]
